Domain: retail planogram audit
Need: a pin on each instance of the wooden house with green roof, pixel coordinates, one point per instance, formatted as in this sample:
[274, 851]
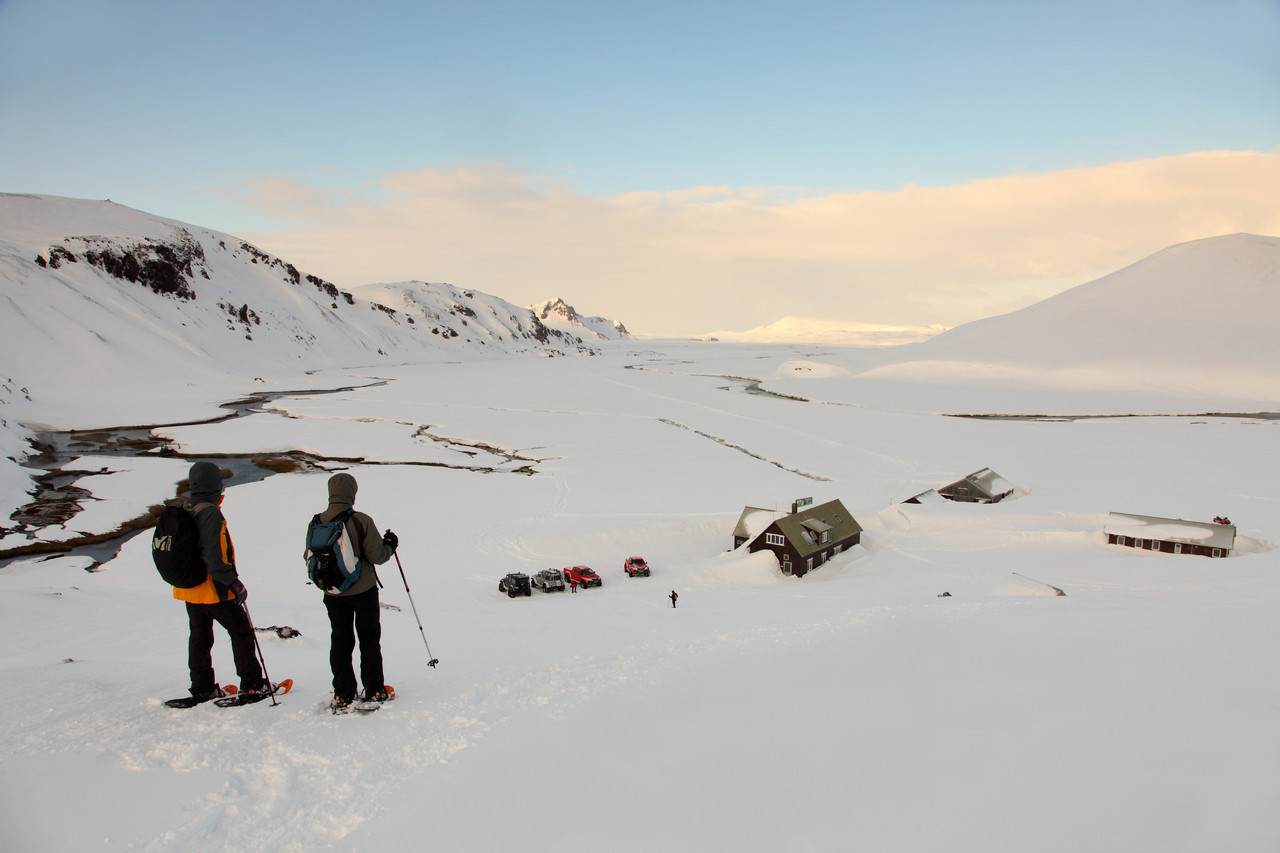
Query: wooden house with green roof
[802, 539]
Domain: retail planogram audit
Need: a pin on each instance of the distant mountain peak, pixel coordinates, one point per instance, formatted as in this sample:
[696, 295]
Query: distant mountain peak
[560, 314]
[555, 308]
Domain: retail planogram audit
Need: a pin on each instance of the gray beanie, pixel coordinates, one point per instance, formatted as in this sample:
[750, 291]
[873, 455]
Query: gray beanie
[206, 482]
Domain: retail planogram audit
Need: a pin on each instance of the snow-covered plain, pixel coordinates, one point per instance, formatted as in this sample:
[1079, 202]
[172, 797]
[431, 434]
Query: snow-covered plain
[853, 709]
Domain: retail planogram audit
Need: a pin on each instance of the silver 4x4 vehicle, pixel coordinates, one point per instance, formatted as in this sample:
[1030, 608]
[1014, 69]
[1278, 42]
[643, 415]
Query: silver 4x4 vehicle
[549, 580]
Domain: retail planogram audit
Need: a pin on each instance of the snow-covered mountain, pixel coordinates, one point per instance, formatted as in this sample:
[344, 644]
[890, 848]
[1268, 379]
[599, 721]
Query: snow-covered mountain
[558, 314]
[96, 292]
[1200, 315]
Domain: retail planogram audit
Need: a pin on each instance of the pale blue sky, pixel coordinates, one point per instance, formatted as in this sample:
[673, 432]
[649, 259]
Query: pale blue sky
[152, 103]
[173, 106]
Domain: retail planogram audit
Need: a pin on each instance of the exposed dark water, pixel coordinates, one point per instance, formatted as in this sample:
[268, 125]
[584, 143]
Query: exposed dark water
[57, 500]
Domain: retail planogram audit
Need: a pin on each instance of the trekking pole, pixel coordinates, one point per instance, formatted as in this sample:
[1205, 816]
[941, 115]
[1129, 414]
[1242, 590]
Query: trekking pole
[434, 660]
[261, 659]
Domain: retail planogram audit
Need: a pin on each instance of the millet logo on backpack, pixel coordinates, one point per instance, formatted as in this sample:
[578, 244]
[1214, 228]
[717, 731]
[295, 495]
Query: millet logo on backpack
[175, 548]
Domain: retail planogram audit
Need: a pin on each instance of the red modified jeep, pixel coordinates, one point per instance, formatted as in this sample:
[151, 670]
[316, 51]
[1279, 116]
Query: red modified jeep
[582, 576]
[636, 567]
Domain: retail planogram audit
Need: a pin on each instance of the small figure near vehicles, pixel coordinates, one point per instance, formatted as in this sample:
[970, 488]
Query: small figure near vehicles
[549, 580]
[636, 567]
[582, 575]
[515, 583]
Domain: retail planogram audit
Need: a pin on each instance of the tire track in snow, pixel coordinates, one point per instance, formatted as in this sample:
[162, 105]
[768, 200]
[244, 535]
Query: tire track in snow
[744, 450]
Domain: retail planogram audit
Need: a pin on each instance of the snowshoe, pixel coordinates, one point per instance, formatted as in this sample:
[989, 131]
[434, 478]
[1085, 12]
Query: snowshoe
[200, 698]
[248, 697]
[366, 704]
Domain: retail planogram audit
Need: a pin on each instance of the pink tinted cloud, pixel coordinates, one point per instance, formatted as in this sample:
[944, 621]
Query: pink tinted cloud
[707, 258]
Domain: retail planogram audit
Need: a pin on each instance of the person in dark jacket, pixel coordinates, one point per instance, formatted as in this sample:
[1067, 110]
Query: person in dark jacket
[354, 614]
[220, 598]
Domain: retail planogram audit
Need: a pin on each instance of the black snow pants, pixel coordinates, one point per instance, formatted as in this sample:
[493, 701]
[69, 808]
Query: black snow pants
[361, 612]
[231, 616]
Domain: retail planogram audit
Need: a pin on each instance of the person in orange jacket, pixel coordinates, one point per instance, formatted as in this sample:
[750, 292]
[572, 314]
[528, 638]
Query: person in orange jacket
[220, 598]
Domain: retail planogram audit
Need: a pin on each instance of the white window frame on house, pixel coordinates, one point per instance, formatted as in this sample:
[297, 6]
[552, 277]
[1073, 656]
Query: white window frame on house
[808, 564]
[1217, 552]
[1177, 547]
[775, 539]
[786, 564]
[837, 549]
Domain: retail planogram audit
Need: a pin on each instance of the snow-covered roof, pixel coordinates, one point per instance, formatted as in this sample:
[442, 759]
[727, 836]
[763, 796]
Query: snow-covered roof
[990, 482]
[1208, 534]
[753, 522]
[803, 529]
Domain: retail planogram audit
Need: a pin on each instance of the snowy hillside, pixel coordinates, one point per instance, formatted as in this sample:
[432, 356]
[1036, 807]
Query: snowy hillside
[96, 294]
[1189, 329]
[558, 314]
[1197, 318]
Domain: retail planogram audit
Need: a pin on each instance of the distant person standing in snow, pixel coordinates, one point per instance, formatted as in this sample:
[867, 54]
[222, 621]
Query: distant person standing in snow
[673, 598]
[221, 597]
[355, 613]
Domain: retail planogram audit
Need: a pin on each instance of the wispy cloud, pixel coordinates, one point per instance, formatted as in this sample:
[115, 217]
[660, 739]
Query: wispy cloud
[708, 258]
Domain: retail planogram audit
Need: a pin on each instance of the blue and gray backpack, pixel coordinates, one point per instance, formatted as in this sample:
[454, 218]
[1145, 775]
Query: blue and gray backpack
[332, 564]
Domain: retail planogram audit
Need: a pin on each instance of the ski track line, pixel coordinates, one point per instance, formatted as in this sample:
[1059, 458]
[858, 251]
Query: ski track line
[745, 451]
[901, 463]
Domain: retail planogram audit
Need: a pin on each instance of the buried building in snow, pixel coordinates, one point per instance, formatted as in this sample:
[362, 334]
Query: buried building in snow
[1170, 535]
[984, 487]
[802, 539]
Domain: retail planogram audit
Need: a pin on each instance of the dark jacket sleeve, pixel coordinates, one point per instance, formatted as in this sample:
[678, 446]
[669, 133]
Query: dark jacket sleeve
[215, 545]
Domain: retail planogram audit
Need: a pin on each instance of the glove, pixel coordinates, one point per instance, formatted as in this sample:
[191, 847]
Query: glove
[241, 594]
[390, 540]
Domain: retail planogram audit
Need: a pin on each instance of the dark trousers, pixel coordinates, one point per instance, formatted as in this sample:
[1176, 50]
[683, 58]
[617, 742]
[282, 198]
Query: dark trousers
[361, 612]
[230, 616]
